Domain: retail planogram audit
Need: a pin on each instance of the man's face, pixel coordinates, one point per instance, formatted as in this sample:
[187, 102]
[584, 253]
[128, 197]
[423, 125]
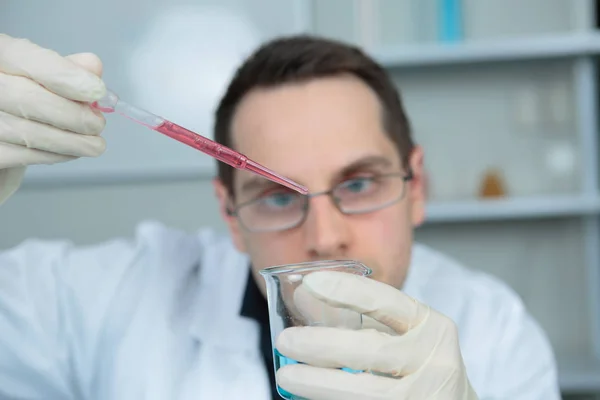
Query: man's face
[320, 134]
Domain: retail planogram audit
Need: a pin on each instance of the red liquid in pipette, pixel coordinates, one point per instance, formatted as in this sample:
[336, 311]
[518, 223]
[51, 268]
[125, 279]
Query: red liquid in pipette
[224, 154]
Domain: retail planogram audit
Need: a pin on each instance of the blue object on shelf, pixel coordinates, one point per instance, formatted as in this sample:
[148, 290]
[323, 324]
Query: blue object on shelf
[450, 20]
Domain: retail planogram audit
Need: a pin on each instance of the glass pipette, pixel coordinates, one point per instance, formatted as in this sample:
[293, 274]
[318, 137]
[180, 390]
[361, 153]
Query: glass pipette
[111, 103]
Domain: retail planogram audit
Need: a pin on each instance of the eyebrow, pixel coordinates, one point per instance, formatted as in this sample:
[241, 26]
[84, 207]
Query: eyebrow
[364, 163]
[257, 183]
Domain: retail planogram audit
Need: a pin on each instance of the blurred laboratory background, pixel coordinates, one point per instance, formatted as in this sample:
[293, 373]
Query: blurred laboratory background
[502, 95]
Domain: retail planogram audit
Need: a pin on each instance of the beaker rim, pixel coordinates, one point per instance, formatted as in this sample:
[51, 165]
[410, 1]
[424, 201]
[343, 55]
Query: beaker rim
[311, 265]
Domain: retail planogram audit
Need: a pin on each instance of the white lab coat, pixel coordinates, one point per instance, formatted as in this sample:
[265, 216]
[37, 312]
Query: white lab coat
[158, 318]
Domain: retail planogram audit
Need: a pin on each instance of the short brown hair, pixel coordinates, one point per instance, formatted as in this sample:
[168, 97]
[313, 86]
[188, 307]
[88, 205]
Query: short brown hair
[301, 58]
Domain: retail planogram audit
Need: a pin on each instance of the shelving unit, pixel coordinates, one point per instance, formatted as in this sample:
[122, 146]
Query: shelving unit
[546, 47]
[507, 209]
[527, 53]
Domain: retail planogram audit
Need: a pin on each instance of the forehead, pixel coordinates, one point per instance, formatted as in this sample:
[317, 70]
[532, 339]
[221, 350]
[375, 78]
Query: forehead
[310, 131]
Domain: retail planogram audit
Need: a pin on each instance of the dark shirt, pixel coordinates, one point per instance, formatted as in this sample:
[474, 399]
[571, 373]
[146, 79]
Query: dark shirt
[255, 307]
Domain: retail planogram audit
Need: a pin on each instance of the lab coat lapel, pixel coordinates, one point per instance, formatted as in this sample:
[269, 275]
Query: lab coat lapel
[229, 364]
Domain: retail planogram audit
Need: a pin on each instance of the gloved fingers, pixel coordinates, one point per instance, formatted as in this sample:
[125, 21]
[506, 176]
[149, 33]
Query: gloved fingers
[362, 350]
[421, 360]
[377, 300]
[316, 383]
[24, 98]
[10, 180]
[88, 61]
[36, 135]
[18, 156]
[308, 310]
[58, 74]
[370, 323]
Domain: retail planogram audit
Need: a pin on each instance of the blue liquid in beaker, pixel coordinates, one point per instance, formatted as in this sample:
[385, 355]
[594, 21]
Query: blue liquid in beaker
[282, 361]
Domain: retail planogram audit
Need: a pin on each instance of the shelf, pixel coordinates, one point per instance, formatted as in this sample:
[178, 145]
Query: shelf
[517, 208]
[66, 175]
[515, 49]
[579, 375]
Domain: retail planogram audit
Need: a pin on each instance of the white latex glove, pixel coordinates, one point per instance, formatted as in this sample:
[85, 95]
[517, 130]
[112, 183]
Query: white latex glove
[423, 354]
[41, 118]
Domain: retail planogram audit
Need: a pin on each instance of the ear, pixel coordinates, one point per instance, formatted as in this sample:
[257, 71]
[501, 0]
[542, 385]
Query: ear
[416, 189]
[225, 200]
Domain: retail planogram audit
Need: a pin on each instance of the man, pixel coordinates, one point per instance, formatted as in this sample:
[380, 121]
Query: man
[175, 315]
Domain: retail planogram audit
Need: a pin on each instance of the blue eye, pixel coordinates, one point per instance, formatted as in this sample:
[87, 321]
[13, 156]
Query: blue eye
[357, 185]
[279, 199]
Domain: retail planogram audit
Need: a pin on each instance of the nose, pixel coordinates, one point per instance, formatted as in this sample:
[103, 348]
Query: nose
[326, 230]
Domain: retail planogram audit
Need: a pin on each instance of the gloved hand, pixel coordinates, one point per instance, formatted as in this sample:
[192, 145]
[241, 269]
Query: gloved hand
[41, 118]
[411, 350]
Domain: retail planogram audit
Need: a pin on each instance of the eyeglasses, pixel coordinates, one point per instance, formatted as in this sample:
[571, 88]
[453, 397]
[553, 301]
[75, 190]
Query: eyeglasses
[282, 210]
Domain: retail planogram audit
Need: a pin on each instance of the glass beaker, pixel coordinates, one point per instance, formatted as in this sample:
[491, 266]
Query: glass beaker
[290, 305]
